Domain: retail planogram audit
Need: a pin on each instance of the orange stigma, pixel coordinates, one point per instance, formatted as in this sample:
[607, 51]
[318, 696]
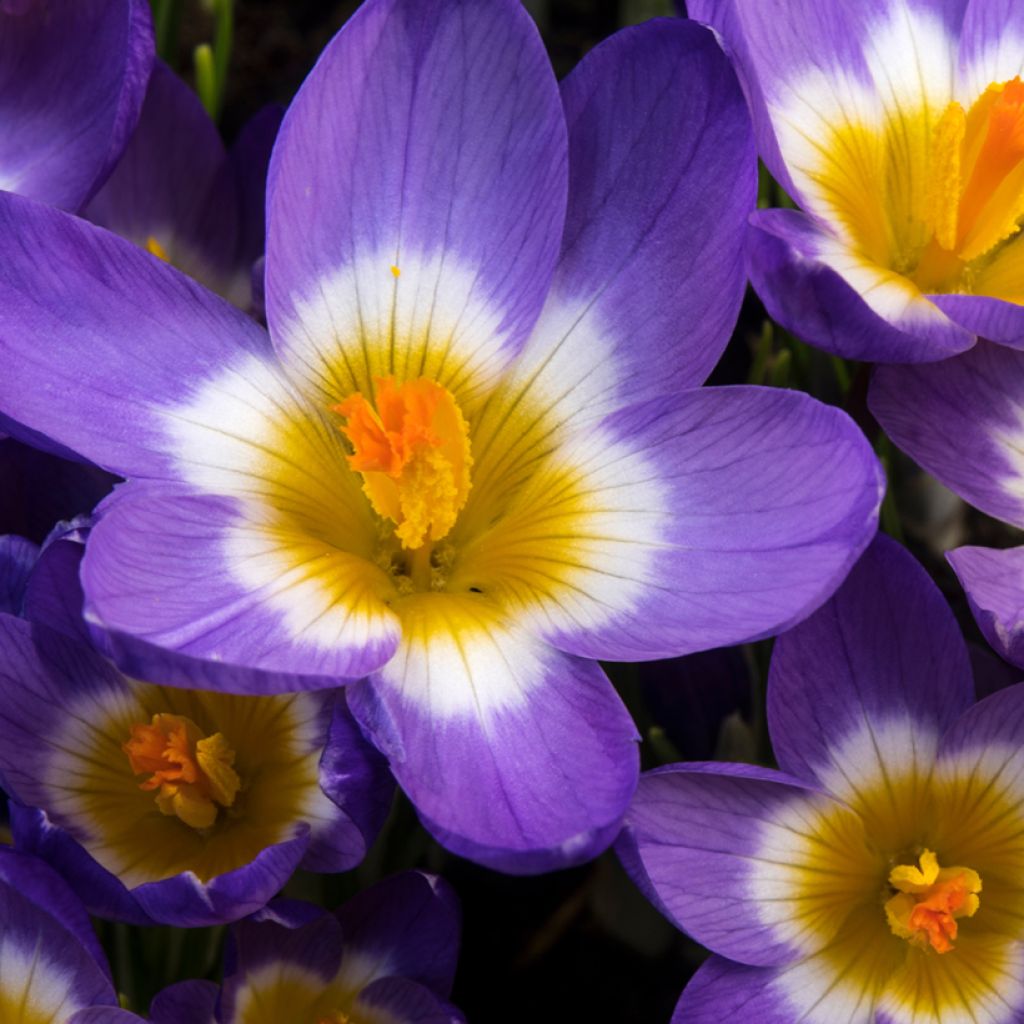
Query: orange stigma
[929, 900]
[192, 774]
[412, 448]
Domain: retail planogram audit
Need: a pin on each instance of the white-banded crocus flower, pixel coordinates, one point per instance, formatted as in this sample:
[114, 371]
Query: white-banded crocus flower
[388, 956]
[178, 193]
[898, 128]
[472, 456]
[72, 76]
[52, 970]
[879, 876]
[164, 804]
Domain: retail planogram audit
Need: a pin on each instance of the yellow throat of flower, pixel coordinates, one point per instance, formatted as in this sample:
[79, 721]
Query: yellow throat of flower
[929, 900]
[975, 195]
[192, 775]
[411, 446]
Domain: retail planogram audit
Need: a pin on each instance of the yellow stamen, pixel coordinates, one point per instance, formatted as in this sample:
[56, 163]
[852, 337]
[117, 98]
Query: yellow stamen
[929, 900]
[156, 249]
[192, 774]
[412, 449]
[395, 271]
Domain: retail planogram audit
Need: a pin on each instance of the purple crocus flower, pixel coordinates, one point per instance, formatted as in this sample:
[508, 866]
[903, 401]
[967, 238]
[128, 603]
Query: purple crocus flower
[179, 193]
[387, 956]
[897, 127]
[472, 456]
[51, 965]
[879, 876]
[72, 77]
[170, 805]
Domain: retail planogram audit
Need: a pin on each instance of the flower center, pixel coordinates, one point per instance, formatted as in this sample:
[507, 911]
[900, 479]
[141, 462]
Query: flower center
[928, 901]
[411, 446]
[975, 191]
[192, 775]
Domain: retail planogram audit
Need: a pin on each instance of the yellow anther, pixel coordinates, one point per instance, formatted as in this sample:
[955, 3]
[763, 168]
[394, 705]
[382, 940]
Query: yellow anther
[943, 198]
[412, 449]
[192, 774]
[156, 249]
[929, 900]
[395, 271]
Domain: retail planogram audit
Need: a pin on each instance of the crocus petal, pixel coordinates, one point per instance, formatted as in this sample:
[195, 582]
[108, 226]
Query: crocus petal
[172, 185]
[661, 180]
[516, 756]
[188, 1002]
[421, 123]
[54, 593]
[72, 74]
[127, 336]
[881, 660]
[17, 557]
[812, 991]
[249, 159]
[824, 292]
[405, 1002]
[991, 45]
[963, 421]
[408, 926]
[206, 579]
[994, 584]
[748, 861]
[719, 516]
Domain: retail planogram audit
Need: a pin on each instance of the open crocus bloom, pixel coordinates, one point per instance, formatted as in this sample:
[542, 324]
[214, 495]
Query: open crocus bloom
[388, 956]
[165, 804]
[469, 462]
[880, 875]
[898, 127]
[72, 78]
[52, 968]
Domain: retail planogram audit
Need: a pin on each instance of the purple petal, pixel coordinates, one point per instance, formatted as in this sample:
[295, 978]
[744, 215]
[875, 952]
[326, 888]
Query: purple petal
[661, 180]
[883, 654]
[54, 594]
[714, 842]
[994, 726]
[187, 1002]
[249, 159]
[827, 295]
[429, 138]
[963, 421]
[515, 756]
[732, 513]
[990, 45]
[17, 557]
[177, 572]
[994, 584]
[72, 74]
[407, 925]
[998, 320]
[106, 1015]
[405, 1002]
[127, 337]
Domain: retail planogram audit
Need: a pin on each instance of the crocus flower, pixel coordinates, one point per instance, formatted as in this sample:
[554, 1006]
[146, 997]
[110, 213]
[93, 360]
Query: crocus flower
[963, 421]
[72, 77]
[879, 875]
[387, 956]
[897, 129]
[179, 193]
[170, 805]
[472, 456]
[52, 970]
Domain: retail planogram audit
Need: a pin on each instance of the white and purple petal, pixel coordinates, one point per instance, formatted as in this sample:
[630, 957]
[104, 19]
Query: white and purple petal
[416, 197]
[515, 755]
[963, 421]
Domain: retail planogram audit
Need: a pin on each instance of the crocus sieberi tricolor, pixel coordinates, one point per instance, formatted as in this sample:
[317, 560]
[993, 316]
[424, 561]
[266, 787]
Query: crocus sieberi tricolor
[897, 126]
[164, 804]
[879, 875]
[387, 956]
[472, 455]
